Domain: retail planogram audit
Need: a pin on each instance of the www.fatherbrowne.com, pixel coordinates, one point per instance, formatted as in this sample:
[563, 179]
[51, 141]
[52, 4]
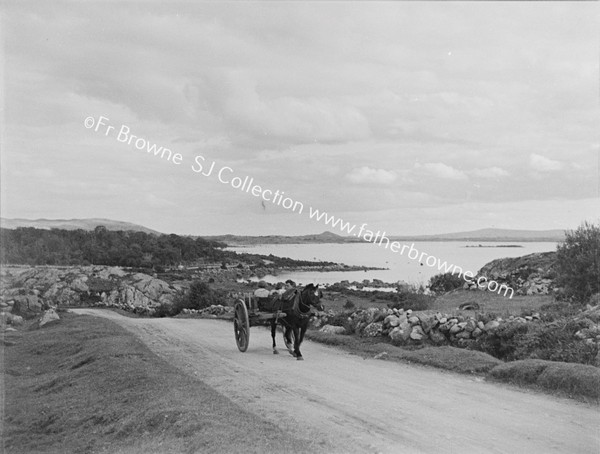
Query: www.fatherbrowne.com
[381, 240]
[102, 124]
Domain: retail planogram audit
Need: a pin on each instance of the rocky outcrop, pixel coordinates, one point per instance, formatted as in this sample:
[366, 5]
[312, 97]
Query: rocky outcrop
[531, 274]
[28, 291]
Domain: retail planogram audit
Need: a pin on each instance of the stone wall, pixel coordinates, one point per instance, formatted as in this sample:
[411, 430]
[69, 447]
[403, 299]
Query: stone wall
[408, 327]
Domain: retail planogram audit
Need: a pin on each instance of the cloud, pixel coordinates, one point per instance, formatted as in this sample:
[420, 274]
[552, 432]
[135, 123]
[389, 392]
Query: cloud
[487, 172]
[370, 175]
[441, 170]
[542, 164]
[310, 98]
[235, 98]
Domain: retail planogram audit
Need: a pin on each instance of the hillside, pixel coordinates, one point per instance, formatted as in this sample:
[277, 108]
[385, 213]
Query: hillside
[74, 224]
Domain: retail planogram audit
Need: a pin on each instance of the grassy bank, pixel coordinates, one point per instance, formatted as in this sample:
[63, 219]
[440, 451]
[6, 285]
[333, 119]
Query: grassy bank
[577, 381]
[86, 385]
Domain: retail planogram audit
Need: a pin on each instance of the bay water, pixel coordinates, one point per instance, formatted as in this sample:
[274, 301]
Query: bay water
[466, 255]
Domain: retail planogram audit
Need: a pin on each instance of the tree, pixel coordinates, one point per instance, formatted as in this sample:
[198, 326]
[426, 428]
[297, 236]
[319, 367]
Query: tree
[199, 296]
[577, 267]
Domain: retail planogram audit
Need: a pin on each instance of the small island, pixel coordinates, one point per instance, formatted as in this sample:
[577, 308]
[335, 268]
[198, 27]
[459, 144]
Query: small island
[494, 245]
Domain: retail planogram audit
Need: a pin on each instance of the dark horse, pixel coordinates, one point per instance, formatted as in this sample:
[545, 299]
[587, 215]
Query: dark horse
[295, 322]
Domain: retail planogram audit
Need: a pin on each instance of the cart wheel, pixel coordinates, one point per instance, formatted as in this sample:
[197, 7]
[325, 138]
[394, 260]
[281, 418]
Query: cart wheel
[241, 326]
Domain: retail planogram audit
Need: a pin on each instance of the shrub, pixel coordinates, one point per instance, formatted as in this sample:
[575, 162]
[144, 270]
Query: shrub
[504, 342]
[349, 305]
[163, 310]
[552, 341]
[556, 341]
[558, 310]
[442, 283]
[341, 319]
[198, 296]
[577, 263]
[412, 300]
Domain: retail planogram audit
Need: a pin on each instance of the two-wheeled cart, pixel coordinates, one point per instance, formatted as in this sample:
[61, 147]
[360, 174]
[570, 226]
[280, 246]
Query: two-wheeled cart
[247, 314]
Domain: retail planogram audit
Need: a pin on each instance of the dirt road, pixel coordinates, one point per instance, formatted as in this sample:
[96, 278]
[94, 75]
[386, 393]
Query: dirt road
[352, 405]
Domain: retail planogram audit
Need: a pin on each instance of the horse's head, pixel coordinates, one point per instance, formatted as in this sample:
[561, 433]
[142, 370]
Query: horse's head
[312, 295]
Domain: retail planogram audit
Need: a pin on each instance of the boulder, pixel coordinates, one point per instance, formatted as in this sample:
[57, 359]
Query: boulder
[68, 297]
[16, 320]
[399, 335]
[391, 320]
[49, 316]
[491, 326]
[463, 335]
[331, 329]
[454, 329]
[427, 322]
[470, 326]
[79, 284]
[437, 337]
[27, 305]
[414, 320]
[444, 328]
[373, 329]
[417, 333]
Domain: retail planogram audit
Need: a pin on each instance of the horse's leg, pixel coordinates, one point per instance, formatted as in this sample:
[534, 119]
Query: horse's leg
[300, 339]
[297, 353]
[273, 331]
[288, 340]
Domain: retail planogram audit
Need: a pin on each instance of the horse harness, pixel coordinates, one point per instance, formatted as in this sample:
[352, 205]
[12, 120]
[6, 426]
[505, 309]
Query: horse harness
[296, 306]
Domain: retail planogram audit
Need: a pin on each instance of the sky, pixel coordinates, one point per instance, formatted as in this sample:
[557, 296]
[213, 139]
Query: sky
[410, 117]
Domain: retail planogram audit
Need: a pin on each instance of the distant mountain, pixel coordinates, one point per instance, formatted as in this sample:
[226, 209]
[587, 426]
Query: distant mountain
[490, 235]
[325, 237]
[74, 224]
[483, 235]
